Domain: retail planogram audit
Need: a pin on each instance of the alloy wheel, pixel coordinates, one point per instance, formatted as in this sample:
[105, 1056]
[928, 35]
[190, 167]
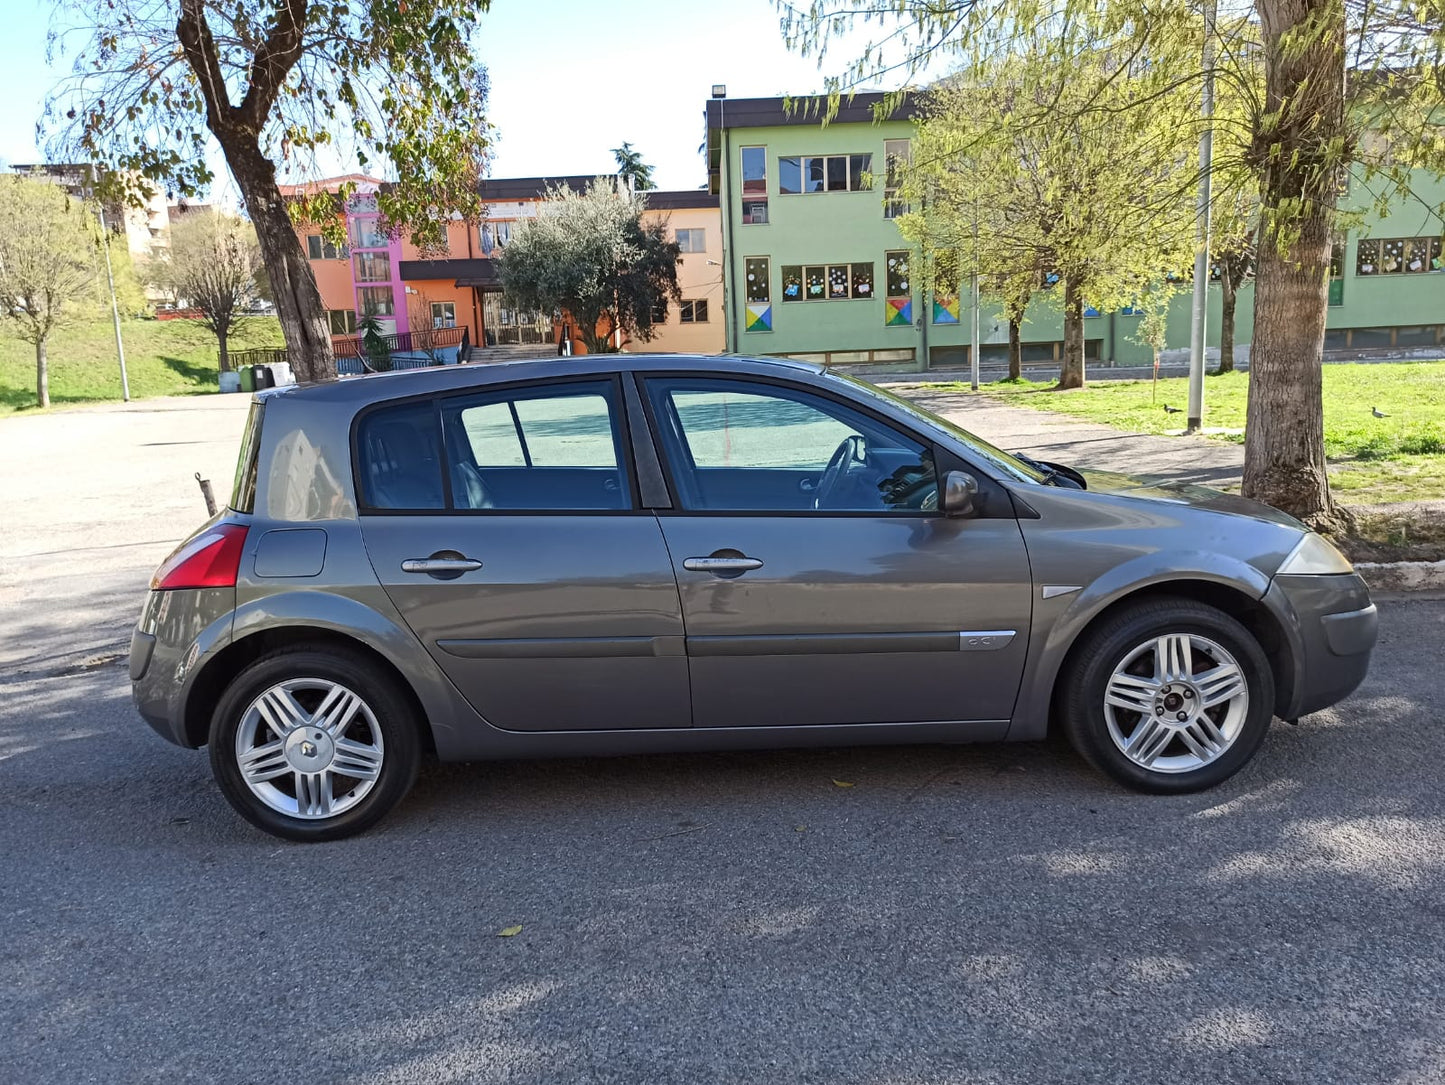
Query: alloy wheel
[309, 748]
[1176, 703]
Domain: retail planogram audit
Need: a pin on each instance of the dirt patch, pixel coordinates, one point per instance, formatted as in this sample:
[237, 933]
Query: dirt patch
[1409, 531]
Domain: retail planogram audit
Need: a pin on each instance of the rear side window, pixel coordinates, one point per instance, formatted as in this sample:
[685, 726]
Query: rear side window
[399, 458]
[248, 463]
[553, 448]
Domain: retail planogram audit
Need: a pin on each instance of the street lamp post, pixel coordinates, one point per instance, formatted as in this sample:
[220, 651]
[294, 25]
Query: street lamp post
[114, 306]
[1199, 316]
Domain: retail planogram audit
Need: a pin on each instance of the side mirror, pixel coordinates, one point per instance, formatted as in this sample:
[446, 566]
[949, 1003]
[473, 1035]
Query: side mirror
[959, 490]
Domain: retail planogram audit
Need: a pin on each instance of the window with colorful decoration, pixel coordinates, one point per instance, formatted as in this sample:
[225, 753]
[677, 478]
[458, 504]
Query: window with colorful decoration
[898, 311]
[757, 291]
[827, 282]
[1398, 256]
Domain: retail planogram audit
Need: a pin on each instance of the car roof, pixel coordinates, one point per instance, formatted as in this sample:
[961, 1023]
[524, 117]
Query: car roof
[399, 384]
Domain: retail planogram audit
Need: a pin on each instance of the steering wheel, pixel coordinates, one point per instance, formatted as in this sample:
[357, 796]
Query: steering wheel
[853, 447]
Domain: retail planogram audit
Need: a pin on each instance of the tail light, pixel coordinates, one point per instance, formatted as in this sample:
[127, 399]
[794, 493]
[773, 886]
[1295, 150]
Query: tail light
[210, 560]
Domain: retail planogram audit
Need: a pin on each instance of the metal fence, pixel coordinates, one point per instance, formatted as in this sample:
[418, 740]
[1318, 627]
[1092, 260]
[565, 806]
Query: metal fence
[354, 355]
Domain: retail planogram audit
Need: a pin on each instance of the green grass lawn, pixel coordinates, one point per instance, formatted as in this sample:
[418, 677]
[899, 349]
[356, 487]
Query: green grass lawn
[1399, 458]
[162, 357]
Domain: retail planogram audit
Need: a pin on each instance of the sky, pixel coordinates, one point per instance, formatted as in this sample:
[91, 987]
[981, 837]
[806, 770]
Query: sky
[570, 79]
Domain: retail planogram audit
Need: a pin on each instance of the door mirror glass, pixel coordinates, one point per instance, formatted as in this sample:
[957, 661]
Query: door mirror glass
[959, 492]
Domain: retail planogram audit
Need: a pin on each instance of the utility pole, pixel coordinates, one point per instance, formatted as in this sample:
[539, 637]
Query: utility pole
[114, 305]
[1199, 317]
[973, 349]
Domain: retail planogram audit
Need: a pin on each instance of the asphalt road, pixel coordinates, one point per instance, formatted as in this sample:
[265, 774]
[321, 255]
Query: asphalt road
[961, 915]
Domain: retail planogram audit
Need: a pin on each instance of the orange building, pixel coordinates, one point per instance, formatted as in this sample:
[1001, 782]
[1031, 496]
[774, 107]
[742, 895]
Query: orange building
[406, 289]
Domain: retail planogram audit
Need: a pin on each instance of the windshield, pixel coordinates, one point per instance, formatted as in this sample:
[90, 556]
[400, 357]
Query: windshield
[1008, 464]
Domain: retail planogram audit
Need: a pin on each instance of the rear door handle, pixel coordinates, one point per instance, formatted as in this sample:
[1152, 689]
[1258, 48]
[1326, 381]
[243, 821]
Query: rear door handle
[721, 565]
[446, 566]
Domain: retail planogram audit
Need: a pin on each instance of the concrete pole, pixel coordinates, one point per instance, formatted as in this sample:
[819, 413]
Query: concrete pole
[1199, 317]
[114, 309]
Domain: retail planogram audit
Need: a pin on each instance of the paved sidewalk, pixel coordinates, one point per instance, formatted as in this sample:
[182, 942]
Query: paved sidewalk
[1077, 443]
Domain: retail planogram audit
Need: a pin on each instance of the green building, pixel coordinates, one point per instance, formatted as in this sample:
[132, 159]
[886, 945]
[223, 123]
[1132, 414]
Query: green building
[814, 264]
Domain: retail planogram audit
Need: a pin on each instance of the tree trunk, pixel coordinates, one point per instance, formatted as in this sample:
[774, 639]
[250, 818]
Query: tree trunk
[224, 357]
[1284, 455]
[1071, 374]
[293, 285]
[42, 374]
[1015, 350]
[1228, 296]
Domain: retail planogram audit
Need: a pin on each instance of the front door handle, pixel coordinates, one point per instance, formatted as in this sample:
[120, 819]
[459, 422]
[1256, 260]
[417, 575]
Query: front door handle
[721, 566]
[443, 565]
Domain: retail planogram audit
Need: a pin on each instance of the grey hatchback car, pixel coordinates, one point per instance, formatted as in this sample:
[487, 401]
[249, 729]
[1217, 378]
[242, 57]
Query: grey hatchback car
[617, 555]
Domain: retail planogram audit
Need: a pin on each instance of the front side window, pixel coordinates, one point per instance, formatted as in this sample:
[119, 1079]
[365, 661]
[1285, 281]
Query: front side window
[737, 446]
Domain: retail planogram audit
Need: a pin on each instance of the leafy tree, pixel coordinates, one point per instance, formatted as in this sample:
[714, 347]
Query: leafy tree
[1101, 203]
[49, 264]
[211, 266]
[1232, 254]
[593, 256]
[634, 172]
[389, 82]
[1346, 83]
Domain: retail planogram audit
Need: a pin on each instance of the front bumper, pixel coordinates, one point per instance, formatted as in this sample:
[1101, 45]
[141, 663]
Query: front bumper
[1331, 625]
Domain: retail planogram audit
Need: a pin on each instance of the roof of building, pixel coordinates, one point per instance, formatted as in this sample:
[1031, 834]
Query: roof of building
[679, 199]
[532, 188]
[477, 271]
[183, 207]
[328, 184]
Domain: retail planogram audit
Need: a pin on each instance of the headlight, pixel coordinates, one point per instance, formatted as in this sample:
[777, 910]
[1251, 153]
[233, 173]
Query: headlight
[1316, 556]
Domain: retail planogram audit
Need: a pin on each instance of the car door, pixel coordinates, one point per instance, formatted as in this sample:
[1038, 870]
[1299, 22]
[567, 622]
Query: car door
[504, 526]
[819, 582]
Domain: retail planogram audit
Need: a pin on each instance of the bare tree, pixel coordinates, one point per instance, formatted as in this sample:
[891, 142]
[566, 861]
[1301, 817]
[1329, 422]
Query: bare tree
[49, 263]
[211, 267]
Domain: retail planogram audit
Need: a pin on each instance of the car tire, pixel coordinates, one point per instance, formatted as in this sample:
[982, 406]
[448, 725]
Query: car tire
[1134, 686]
[312, 744]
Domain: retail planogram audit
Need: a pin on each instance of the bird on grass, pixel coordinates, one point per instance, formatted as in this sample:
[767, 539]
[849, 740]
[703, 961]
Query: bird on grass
[1378, 413]
[1173, 410]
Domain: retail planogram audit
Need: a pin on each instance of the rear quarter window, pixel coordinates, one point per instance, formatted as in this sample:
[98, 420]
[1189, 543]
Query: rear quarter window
[248, 463]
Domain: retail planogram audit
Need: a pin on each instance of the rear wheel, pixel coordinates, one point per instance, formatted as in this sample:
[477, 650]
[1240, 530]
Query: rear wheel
[312, 745]
[1168, 696]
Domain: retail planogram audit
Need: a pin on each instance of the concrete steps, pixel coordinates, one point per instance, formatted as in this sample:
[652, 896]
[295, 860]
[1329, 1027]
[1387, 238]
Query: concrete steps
[510, 352]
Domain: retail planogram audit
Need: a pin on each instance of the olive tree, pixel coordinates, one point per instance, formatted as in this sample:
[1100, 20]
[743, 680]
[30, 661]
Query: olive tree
[593, 255]
[49, 264]
[393, 85]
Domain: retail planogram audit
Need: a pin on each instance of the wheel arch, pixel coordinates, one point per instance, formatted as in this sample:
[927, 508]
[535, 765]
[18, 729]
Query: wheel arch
[211, 683]
[1238, 593]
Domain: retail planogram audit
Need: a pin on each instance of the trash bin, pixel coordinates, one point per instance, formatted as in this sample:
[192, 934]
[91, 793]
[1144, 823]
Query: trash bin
[247, 376]
[262, 377]
[230, 381]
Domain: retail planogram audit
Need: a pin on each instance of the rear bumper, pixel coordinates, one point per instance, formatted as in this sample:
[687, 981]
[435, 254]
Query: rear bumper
[178, 632]
[1332, 626]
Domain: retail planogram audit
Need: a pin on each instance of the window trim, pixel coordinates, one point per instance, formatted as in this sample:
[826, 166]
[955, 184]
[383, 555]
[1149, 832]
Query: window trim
[622, 441]
[649, 378]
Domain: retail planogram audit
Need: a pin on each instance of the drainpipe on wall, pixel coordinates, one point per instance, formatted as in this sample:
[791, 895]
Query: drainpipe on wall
[730, 327]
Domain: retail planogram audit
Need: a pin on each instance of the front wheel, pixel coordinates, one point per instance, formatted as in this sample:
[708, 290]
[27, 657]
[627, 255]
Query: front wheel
[312, 745]
[1168, 696]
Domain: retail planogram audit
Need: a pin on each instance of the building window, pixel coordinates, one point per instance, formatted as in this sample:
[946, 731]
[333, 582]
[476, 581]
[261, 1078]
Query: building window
[659, 311]
[692, 240]
[755, 185]
[318, 248]
[376, 301]
[898, 154]
[342, 321]
[898, 312]
[1337, 273]
[366, 234]
[372, 267]
[694, 312]
[825, 173]
[757, 272]
[443, 314]
[827, 282]
[1398, 256]
[494, 235]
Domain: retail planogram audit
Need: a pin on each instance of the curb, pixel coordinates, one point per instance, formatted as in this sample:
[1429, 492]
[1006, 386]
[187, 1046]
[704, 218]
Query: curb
[1403, 575]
